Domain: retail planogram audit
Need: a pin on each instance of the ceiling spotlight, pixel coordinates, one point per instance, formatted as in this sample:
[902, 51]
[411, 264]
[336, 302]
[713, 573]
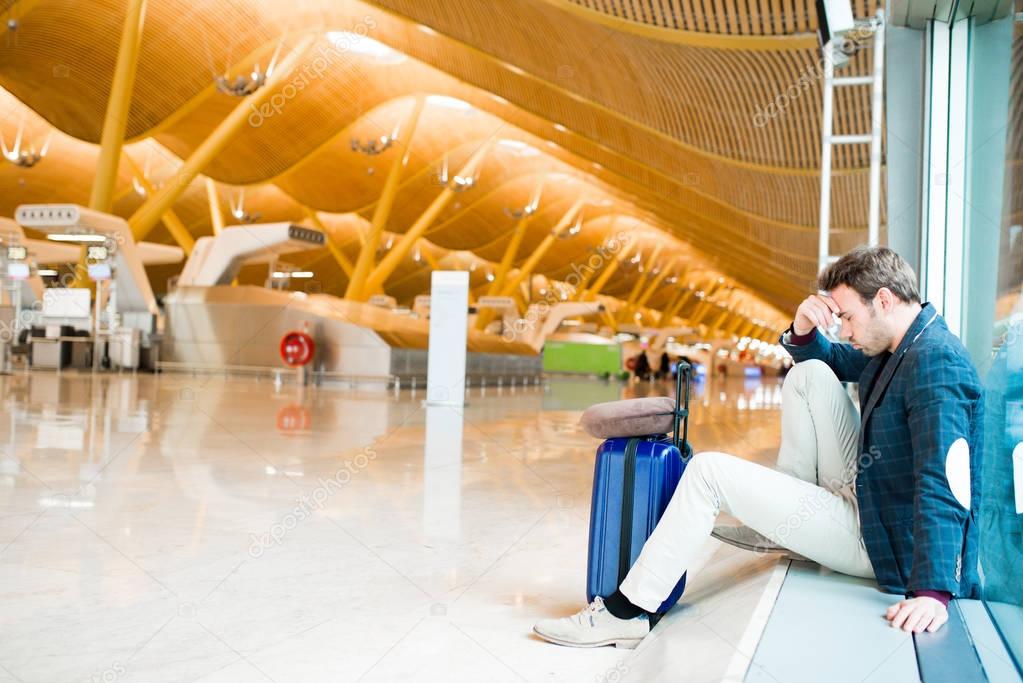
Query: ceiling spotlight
[530, 208]
[455, 183]
[378, 145]
[244, 85]
[137, 182]
[238, 209]
[463, 183]
[373, 146]
[22, 155]
[240, 85]
[575, 229]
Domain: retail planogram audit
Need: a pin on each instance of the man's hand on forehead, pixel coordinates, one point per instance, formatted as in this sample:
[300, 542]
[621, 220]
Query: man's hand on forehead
[826, 298]
[817, 310]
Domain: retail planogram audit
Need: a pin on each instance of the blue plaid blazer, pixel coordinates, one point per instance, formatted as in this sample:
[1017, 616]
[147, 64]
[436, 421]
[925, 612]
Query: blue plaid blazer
[914, 404]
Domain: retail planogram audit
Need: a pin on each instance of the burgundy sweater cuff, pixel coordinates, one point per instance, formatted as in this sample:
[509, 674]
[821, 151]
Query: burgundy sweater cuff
[801, 339]
[941, 596]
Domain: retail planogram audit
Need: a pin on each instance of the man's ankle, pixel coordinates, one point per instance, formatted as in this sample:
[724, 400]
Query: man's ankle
[621, 607]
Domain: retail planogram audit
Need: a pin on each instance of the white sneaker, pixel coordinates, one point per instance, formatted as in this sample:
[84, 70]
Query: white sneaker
[594, 626]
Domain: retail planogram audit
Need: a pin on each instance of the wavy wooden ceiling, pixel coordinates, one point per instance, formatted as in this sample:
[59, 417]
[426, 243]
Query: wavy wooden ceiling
[654, 106]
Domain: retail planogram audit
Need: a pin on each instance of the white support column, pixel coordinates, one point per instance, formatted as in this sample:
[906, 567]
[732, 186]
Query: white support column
[932, 247]
[877, 119]
[827, 124]
[449, 329]
[956, 167]
[944, 223]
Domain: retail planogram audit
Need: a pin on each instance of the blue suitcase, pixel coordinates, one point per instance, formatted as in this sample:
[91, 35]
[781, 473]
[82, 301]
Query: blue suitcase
[633, 480]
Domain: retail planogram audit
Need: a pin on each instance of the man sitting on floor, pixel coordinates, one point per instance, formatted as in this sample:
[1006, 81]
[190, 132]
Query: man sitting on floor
[883, 494]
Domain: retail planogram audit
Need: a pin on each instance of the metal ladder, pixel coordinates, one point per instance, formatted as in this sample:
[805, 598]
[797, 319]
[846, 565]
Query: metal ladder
[876, 81]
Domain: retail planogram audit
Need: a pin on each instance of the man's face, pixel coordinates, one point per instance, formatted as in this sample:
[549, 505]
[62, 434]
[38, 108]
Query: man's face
[865, 325]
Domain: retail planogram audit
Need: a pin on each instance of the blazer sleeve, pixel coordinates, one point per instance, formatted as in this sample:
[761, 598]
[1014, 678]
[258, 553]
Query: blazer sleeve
[943, 394]
[846, 362]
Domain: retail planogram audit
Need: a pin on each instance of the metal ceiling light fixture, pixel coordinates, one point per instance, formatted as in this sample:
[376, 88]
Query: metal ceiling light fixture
[22, 155]
[13, 24]
[238, 209]
[138, 184]
[455, 183]
[244, 85]
[375, 146]
[530, 208]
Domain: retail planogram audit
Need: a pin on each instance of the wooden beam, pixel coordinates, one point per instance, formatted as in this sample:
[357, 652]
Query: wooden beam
[541, 250]
[216, 214]
[143, 220]
[115, 122]
[652, 287]
[393, 258]
[175, 226]
[332, 246]
[367, 254]
[634, 294]
[510, 251]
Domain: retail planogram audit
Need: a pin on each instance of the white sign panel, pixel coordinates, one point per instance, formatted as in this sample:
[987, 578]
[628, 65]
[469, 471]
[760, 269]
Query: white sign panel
[61, 302]
[18, 271]
[449, 329]
[495, 302]
[1017, 469]
[382, 300]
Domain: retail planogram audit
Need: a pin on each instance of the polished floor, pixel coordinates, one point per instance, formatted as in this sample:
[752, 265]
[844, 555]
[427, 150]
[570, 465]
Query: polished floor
[180, 528]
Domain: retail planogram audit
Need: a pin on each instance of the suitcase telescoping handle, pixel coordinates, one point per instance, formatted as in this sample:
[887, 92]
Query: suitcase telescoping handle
[680, 428]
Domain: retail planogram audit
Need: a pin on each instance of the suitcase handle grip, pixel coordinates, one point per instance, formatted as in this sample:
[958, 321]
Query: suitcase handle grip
[680, 428]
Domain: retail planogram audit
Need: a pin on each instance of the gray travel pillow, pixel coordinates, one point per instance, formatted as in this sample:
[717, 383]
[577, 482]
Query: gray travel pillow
[632, 417]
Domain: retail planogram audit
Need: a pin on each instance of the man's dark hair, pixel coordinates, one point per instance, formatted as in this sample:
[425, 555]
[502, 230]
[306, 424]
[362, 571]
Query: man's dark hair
[868, 269]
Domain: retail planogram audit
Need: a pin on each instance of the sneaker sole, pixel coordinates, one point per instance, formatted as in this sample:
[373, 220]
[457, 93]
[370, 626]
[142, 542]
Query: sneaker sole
[749, 546]
[624, 643]
[762, 549]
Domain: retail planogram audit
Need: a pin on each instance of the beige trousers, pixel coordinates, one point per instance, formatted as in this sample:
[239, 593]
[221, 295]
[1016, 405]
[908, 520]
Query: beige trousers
[807, 504]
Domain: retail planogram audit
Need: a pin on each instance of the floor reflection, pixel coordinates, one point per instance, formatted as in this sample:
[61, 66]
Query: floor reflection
[182, 527]
[442, 473]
